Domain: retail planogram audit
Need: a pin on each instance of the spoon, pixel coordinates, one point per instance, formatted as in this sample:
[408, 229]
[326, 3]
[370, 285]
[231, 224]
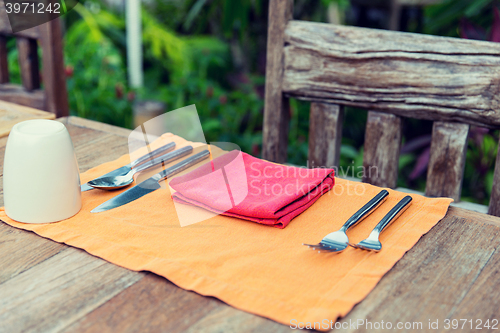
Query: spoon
[126, 168]
[116, 182]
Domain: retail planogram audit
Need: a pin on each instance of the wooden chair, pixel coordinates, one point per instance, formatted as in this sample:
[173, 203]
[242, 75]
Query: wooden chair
[453, 82]
[53, 97]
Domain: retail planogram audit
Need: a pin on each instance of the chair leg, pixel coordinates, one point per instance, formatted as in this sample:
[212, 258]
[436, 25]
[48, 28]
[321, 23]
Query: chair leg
[447, 160]
[325, 135]
[382, 146]
[276, 108]
[54, 78]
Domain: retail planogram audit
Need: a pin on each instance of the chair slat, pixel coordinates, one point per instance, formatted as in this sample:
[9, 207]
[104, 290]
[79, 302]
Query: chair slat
[447, 160]
[276, 109]
[325, 134]
[17, 94]
[382, 146]
[54, 77]
[410, 75]
[4, 69]
[28, 63]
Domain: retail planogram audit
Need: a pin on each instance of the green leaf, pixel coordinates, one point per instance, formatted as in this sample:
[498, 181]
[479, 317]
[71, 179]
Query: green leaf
[405, 160]
[193, 13]
[348, 151]
[488, 182]
[476, 6]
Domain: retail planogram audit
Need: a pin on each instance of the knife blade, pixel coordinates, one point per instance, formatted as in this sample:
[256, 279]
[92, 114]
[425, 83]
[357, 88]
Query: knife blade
[151, 184]
[126, 168]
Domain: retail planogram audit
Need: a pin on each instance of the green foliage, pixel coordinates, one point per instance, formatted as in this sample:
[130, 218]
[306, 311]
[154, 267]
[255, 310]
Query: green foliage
[13, 62]
[479, 168]
[444, 18]
[165, 46]
[98, 71]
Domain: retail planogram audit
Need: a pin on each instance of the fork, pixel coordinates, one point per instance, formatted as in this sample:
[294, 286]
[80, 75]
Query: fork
[372, 243]
[337, 241]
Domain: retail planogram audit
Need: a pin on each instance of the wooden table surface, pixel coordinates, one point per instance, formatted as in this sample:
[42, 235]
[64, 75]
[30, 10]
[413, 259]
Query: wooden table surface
[49, 287]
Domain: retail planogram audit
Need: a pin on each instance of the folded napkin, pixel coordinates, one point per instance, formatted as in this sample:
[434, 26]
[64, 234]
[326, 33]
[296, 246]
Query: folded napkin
[239, 185]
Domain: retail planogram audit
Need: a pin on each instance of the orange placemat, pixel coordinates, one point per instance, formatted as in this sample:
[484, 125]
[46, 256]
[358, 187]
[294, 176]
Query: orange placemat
[255, 268]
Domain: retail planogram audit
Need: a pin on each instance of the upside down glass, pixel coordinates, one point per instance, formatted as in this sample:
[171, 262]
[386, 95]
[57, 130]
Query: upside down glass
[41, 180]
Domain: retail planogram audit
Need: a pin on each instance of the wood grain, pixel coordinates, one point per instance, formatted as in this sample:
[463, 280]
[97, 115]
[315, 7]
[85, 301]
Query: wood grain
[22, 250]
[152, 304]
[54, 77]
[494, 207]
[4, 68]
[382, 146]
[447, 161]
[28, 62]
[11, 114]
[86, 141]
[276, 107]
[17, 94]
[95, 125]
[325, 135]
[448, 274]
[156, 305]
[66, 286]
[411, 75]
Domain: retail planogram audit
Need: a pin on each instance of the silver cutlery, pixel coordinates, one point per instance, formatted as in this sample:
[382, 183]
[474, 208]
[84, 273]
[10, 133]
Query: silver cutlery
[338, 241]
[126, 168]
[151, 184]
[116, 182]
[372, 243]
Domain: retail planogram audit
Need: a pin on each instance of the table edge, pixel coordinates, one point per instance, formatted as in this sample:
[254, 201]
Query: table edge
[95, 125]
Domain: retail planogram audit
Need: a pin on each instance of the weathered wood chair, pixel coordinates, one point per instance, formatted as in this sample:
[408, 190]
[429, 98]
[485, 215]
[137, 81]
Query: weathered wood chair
[453, 82]
[53, 97]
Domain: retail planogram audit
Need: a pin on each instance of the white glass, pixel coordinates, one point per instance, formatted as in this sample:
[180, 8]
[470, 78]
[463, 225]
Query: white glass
[41, 182]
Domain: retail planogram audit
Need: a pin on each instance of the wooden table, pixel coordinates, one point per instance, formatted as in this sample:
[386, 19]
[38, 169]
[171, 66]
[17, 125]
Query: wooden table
[49, 287]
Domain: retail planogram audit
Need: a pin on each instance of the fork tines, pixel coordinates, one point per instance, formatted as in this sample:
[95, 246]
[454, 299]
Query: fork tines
[322, 247]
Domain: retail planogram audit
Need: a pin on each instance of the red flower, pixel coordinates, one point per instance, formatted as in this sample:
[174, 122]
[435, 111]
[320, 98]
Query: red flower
[210, 91]
[69, 70]
[255, 150]
[118, 90]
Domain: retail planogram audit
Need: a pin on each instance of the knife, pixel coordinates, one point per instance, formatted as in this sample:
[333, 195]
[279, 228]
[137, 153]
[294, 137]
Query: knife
[151, 184]
[126, 168]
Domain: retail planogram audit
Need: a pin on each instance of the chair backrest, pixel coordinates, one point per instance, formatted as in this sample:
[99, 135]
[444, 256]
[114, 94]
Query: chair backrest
[53, 97]
[453, 82]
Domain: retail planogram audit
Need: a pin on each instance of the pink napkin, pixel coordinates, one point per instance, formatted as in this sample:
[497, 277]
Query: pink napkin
[239, 185]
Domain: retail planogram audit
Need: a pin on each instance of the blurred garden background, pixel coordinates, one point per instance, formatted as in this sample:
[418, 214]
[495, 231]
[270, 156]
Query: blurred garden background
[212, 53]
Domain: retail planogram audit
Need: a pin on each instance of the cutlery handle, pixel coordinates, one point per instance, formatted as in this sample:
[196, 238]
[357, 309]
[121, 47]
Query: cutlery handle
[167, 158]
[184, 164]
[366, 209]
[393, 214]
[163, 149]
